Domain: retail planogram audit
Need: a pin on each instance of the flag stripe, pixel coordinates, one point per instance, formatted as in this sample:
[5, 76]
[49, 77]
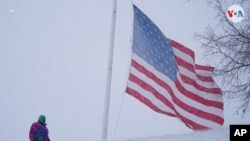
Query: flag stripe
[168, 90]
[194, 118]
[204, 95]
[161, 84]
[193, 121]
[178, 102]
[205, 68]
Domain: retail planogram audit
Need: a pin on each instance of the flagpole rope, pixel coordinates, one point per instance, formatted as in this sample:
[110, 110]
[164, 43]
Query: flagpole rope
[118, 117]
[130, 40]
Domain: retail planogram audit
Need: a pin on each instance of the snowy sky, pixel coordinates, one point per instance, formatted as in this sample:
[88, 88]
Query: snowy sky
[54, 58]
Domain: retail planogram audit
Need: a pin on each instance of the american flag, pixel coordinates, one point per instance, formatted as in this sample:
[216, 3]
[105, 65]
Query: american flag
[164, 76]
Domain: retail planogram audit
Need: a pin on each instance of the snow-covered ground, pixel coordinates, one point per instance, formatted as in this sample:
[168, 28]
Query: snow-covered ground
[221, 134]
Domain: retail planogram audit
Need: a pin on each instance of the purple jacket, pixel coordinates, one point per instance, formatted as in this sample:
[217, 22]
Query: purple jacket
[39, 132]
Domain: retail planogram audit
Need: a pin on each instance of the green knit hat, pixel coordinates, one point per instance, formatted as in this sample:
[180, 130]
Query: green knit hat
[42, 118]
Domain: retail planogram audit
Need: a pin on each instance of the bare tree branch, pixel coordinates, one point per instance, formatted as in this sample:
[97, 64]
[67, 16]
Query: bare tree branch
[230, 49]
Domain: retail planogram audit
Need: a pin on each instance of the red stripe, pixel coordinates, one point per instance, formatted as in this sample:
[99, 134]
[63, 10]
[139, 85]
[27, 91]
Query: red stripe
[193, 125]
[199, 87]
[205, 68]
[182, 48]
[183, 63]
[205, 78]
[175, 99]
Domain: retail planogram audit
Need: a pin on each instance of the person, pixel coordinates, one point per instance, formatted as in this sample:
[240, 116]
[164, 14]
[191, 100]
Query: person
[39, 131]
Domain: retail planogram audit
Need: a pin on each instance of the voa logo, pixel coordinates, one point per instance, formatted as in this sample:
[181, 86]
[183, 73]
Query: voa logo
[235, 13]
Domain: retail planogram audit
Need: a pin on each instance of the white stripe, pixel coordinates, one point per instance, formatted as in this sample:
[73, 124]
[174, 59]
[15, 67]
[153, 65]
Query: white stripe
[203, 72]
[183, 56]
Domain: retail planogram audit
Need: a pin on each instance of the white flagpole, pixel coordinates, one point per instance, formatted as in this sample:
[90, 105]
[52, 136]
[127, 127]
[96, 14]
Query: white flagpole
[109, 75]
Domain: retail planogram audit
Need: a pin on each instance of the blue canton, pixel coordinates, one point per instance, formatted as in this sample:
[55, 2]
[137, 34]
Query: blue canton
[150, 44]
